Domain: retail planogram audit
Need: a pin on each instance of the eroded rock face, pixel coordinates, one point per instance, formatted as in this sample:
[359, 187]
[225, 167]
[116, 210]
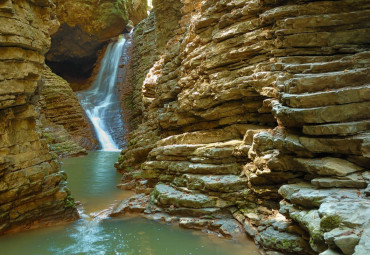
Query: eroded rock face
[32, 189]
[64, 123]
[149, 40]
[85, 28]
[142, 55]
[103, 19]
[274, 92]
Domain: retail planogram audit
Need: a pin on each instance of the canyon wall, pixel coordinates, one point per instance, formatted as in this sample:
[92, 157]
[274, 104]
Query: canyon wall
[256, 109]
[78, 46]
[86, 26]
[142, 53]
[32, 189]
[64, 122]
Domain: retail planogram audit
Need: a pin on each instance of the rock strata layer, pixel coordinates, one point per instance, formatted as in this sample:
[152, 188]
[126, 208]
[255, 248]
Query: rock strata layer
[259, 109]
[32, 189]
[65, 124]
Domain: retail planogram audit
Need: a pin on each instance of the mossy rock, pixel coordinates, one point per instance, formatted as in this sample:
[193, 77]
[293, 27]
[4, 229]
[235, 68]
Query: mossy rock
[282, 241]
[70, 202]
[330, 222]
[148, 174]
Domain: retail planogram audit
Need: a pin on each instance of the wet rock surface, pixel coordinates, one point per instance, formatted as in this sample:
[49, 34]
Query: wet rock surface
[208, 220]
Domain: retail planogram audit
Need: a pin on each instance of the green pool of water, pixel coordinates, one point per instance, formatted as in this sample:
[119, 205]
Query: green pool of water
[92, 180]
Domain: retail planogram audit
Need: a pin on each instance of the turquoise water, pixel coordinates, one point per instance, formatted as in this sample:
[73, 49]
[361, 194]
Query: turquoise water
[92, 180]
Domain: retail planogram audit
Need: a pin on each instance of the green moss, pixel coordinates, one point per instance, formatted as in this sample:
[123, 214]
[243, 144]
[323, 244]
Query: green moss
[317, 201]
[53, 155]
[284, 245]
[122, 9]
[288, 244]
[164, 178]
[147, 174]
[330, 222]
[49, 138]
[180, 181]
[70, 202]
[138, 30]
[248, 210]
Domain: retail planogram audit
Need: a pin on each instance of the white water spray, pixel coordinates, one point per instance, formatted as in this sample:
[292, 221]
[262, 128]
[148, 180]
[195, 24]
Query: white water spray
[101, 100]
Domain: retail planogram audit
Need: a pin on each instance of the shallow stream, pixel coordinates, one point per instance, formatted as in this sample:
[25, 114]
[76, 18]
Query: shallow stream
[92, 180]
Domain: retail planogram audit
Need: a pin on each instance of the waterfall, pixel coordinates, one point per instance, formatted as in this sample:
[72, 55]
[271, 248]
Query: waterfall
[100, 101]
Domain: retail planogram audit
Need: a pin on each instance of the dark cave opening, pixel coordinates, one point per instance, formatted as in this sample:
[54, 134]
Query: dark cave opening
[76, 71]
[73, 55]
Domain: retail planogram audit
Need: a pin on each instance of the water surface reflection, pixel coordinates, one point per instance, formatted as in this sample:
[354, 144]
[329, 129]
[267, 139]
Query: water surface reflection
[92, 180]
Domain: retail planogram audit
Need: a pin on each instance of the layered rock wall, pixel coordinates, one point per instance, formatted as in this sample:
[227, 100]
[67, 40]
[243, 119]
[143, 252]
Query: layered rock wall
[260, 108]
[142, 53]
[64, 121]
[32, 189]
[148, 42]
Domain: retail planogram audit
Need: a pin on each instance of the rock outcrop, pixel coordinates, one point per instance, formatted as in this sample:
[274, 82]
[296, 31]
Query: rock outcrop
[260, 109]
[32, 189]
[65, 123]
[142, 53]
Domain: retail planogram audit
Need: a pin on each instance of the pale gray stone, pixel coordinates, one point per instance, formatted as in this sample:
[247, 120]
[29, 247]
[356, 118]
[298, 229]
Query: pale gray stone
[330, 252]
[350, 181]
[347, 243]
[363, 248]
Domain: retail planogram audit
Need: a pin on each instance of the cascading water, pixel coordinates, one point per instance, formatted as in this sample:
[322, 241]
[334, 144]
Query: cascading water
[92, 180]
[101, 105]
[100, 102]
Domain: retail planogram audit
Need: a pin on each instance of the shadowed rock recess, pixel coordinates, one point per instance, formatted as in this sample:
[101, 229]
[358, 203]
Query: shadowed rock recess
[86, 26]
[32, 189]
[254, 113]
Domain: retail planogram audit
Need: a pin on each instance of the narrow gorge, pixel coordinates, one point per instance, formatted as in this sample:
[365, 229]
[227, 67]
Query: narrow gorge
[244, 122]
